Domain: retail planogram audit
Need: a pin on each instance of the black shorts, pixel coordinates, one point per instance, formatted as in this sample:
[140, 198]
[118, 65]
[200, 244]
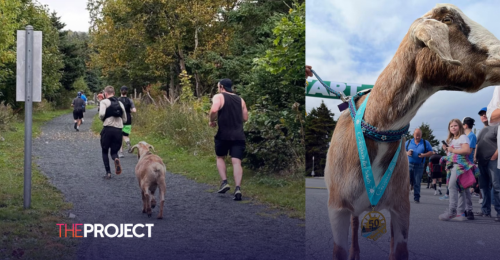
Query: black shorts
[235, 148]
[436, 175]
[77, 114]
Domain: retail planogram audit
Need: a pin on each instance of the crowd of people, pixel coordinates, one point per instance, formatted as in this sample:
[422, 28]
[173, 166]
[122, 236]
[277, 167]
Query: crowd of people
[470, 165]
[228, 111]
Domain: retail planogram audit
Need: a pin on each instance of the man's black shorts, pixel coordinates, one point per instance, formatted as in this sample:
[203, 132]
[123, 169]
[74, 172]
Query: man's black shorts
[235, 148]
[77, 114]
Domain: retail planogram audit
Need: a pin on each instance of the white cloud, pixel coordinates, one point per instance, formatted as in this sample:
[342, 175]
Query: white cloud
[73, 13]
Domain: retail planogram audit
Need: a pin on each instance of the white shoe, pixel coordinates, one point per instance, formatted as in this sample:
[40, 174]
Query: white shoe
[435, 192]
[480, 201]
[120, 154]
[82, 120]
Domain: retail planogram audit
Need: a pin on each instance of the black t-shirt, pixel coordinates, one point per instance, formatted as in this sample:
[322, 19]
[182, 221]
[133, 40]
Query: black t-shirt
[230, 119]
[78, 104]
[486, 143]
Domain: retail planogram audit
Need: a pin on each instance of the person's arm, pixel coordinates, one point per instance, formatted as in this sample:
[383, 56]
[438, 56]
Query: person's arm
[124, 114]
[475, 152]
[216, 103]
[132, 108]
[464, 150]
[495, 116]
[495, 155]
[102, 109]
[245, 111]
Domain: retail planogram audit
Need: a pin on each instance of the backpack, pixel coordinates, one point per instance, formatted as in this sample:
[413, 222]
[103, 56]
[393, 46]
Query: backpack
[126, 103]
[425, 147]
[114, 110]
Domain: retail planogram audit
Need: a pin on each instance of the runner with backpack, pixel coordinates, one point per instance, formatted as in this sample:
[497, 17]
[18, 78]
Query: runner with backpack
[127, 126]
[112, 113]
[77, 105]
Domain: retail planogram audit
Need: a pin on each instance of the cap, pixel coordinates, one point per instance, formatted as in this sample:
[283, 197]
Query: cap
[468, 121]
[227, 84]
[482, 109]
[79, 93]
[123, 88]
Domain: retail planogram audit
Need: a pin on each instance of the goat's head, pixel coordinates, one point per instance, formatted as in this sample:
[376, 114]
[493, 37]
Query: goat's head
[453, 52]
[143, 149]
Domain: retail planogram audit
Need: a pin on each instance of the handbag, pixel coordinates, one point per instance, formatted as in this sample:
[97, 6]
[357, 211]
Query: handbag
[467, 179]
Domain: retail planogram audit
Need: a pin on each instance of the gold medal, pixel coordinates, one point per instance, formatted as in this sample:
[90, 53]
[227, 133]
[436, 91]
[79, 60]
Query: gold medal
[373, 225]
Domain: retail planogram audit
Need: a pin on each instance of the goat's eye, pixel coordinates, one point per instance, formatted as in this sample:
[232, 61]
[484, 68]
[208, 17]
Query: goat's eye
[447, 20]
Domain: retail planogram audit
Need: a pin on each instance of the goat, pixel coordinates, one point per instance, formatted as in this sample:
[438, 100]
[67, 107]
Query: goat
[443, 50]
[150, 172]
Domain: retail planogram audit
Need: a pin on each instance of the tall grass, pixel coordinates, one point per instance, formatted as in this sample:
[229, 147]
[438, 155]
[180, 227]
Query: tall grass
[184, 124]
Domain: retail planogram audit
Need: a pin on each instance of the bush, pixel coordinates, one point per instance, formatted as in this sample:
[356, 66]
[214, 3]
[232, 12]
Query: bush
[7, 116]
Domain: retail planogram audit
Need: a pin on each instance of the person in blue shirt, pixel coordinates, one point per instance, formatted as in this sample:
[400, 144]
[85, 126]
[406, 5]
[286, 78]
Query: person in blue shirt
[84, 99]
[417, 150]
[468, 124]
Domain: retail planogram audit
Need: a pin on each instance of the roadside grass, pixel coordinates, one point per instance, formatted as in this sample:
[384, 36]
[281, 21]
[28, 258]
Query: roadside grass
[30, 233]
[286, 193]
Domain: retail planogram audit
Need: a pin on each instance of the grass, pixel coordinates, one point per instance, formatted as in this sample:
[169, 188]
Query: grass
[284, 193]
[30, 233]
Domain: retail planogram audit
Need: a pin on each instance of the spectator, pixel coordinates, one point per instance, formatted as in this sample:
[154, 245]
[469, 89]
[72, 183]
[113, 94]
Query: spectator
[417, 149]
[486, 157]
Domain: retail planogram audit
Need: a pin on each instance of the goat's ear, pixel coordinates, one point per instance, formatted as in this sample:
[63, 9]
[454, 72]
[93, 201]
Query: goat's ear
[132, 149]
[435, 35]
[152, 148]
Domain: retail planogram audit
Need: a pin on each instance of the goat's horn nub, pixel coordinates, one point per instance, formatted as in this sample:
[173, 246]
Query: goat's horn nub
[132, 149]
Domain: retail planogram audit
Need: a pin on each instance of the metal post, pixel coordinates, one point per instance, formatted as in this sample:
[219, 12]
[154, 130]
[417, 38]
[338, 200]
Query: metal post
[28, 109]
[312, 173]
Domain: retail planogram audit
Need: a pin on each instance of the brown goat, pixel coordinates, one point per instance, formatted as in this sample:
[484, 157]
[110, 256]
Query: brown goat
[150, 172]
[443, 50]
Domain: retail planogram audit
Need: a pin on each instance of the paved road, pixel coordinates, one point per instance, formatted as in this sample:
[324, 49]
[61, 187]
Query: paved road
[197, 224]
[429, 238]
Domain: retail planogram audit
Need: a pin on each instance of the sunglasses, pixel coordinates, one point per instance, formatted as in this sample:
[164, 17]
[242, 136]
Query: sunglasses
[482, 114]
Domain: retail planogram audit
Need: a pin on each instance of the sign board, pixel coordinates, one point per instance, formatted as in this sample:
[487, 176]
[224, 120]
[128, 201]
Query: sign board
[315, 89]
[21, 66]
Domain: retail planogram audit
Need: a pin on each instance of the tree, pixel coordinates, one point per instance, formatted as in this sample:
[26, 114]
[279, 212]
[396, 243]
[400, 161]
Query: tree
[319, 130]
[426, 134]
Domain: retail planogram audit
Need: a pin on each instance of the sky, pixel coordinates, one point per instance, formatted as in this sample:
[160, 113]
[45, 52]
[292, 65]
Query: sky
[353, 41]
[73, 13]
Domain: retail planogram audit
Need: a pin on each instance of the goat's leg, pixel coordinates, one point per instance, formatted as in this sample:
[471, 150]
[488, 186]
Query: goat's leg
[153, 199]
[354, 251]
[143, 202]
[163, 188]
[148, 201]
[340, 221]
[400, 223]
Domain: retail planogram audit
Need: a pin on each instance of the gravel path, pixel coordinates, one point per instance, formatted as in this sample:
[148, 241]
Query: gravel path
[197, 224]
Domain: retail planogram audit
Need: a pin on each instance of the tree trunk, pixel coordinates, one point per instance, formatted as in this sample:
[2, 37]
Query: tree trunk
[182, 61]
[197, 78]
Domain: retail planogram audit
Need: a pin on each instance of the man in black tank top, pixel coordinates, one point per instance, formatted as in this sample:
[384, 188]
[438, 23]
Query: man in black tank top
[230, 112]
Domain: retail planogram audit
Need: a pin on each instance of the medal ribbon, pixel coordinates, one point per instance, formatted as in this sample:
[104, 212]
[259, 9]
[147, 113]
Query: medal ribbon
[374, 192]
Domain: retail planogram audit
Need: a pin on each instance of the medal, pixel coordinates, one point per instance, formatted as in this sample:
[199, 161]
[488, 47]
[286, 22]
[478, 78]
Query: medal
[373, 225]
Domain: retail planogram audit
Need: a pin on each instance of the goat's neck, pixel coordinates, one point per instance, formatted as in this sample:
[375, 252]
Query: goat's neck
[397, 94]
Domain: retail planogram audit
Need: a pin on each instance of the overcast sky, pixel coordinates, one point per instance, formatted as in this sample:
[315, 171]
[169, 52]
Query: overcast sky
[73, 13]
[353, 41]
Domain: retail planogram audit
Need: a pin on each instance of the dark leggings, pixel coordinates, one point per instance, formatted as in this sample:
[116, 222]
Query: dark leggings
[111, 138]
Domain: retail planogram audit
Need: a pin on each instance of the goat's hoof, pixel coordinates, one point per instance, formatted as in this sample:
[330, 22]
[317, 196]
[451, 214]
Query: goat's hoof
[143, 211]
[153, 206]
[149, 215]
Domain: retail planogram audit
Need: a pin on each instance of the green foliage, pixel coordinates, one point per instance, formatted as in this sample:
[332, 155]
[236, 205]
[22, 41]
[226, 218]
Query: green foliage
[24, 13]
[186, 92]
[80, 85]
[319, 130]
[287, 56]
[7, 116]
[426, 134]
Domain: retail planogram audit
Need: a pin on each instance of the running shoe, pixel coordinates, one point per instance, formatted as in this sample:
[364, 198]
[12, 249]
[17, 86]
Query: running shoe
[469, 214]
[480, 201]
[460, 217]
[237, 194]
[76, 124]
[224, 187]
[120, 154]
[445, 197]
[440, 193]
[435, 192]
[118, 167]
[128, 146]
[446, 216]
[107, 176]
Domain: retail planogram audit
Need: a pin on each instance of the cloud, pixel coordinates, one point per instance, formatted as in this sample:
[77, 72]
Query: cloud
[73, 13]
